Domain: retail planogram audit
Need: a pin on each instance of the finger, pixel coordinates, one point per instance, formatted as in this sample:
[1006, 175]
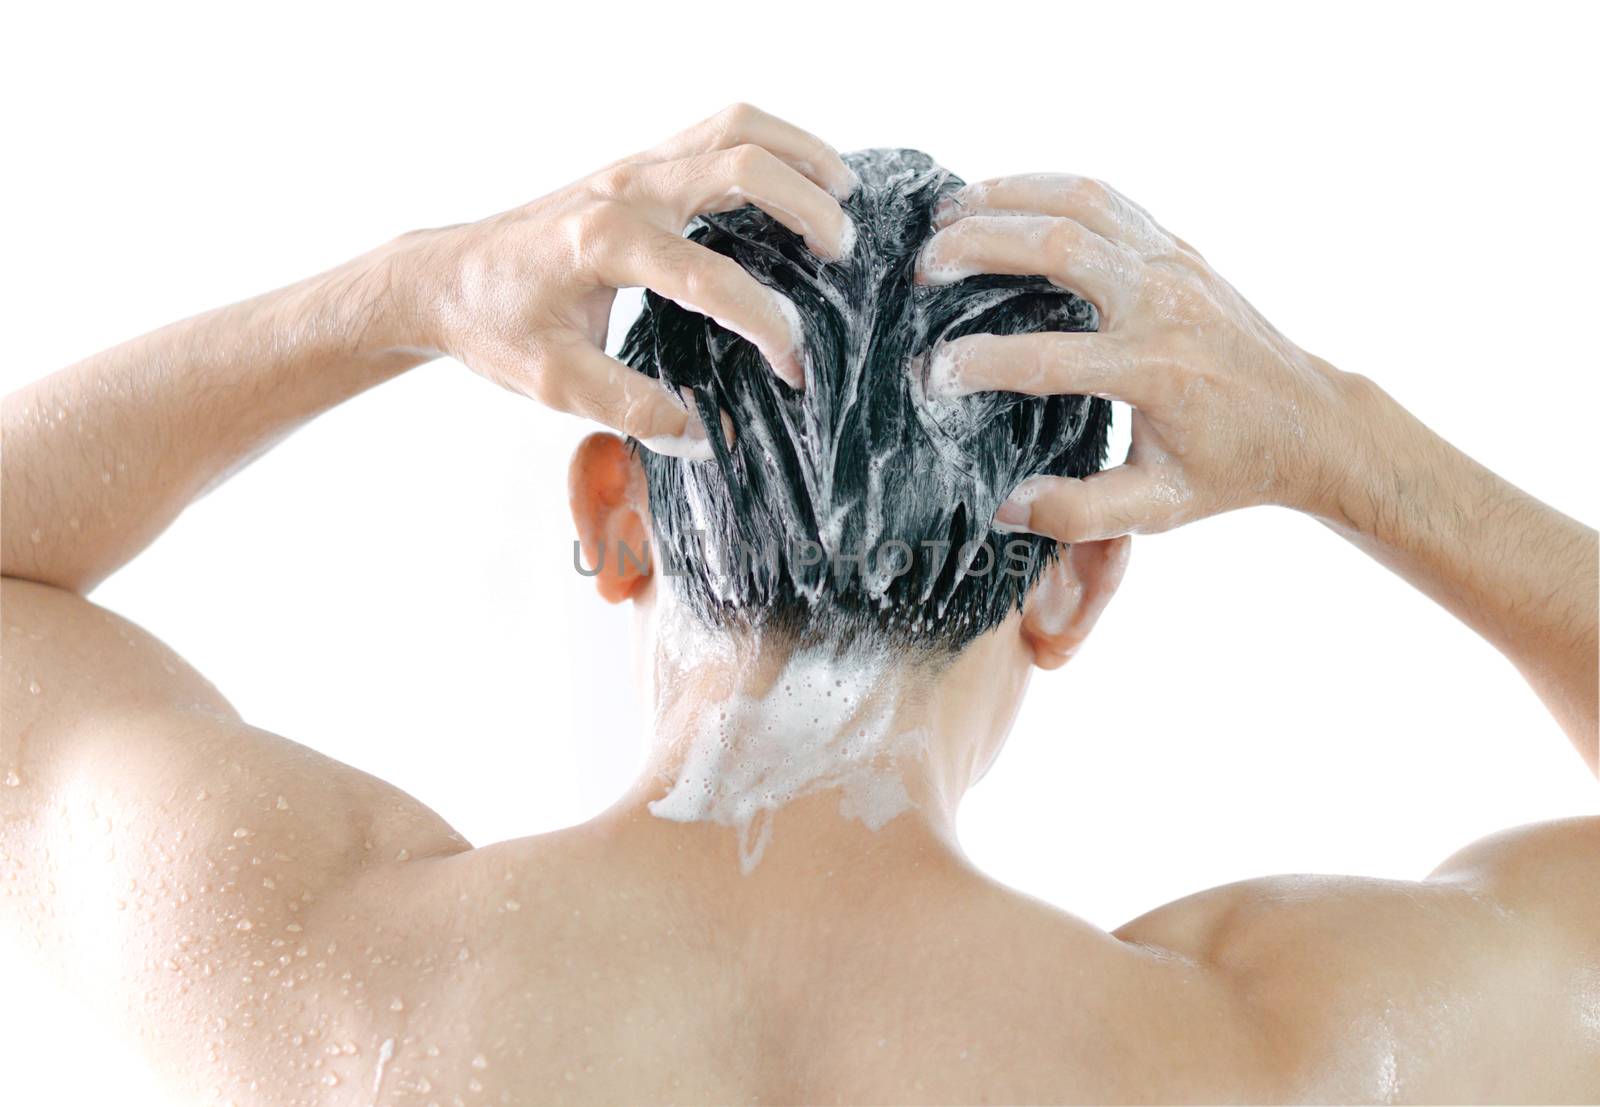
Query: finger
[1126, 499]
[740, 124]
[1044, 364]
[1063, 250]
[749, 174]
[1094, 204]
[581, 380]
[700, 280]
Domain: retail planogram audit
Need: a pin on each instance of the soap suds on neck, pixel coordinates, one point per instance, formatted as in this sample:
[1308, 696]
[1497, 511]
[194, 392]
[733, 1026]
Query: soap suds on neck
[828, 721]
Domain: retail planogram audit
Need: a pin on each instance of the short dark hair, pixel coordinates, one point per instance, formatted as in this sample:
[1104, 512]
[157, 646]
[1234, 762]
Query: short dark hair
[863, 458]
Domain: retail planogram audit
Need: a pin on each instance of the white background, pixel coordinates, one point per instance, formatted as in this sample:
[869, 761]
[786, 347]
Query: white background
[1408, 191]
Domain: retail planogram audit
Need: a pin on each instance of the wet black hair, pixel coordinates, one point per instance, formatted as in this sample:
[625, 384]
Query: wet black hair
[862, 463]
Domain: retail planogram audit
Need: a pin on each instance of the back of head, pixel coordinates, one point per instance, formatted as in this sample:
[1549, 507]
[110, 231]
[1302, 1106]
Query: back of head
[861, 509]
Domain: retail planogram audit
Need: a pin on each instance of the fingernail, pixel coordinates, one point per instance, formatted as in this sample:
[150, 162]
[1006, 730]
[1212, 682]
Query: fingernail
[847, 237]
[691, 445]
[946, 211]
[938, 272]
[845, 187]
[1014, 516]
[786, 363]
[944, 373]
[791, 372]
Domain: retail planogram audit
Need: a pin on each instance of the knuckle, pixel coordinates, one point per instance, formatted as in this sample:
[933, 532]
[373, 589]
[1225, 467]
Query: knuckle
[1166, 376]
[545, 386]
[1095, 361]
[1062, 236]
[614, 180]
[1070, 514]
[590, 229]
[747, 161]
[720, 271]
[705, 278]
[735, 119]
[1168, 287]
[591, 400]
[1091, 193]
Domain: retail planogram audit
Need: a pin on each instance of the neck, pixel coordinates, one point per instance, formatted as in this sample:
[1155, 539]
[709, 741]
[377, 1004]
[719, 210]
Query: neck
[812, 757]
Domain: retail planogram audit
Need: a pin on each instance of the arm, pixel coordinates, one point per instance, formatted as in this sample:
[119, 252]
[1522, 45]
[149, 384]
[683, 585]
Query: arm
[1517, 571]
[1477, 982]
[102, 728]
[1228, 413]
[101, 457]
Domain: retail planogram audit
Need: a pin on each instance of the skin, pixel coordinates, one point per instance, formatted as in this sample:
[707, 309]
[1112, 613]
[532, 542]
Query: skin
[274, 927]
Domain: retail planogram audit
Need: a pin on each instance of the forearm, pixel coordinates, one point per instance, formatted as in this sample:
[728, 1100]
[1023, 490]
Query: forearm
[99, 458]
[1517, 571]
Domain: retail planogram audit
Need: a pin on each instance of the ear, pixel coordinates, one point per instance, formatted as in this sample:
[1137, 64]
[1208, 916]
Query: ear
[1068, 599]
[606, 485]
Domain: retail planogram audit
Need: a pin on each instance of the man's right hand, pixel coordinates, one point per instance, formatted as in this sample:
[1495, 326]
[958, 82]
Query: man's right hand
[524, 297]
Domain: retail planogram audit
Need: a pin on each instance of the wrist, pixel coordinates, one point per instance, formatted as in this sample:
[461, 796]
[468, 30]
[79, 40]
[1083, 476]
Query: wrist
[403, 271]
[1360, 435]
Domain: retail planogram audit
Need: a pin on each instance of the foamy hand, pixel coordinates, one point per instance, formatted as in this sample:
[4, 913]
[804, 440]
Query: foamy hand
[1227, 412]
[524, 297]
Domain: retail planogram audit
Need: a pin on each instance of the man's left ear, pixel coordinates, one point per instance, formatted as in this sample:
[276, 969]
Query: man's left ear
[606, 485]
[1066, 603]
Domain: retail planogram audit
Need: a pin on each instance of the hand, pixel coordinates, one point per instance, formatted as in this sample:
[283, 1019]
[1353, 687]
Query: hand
[1227, 412]
[524, 297]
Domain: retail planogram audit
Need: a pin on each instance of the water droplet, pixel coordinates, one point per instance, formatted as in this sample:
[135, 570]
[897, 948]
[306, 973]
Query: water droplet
[330, 1079]
[242, 832]
[12, 779]
[33, 686]
[243, 924]
[282, 804]
[513, 905]
[396, 1004]
[480, 1062]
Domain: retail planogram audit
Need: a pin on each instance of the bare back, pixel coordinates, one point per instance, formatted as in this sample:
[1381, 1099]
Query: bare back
[279, 928]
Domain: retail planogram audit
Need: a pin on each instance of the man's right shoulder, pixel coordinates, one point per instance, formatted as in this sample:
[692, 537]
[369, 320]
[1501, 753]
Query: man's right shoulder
[1482, 980]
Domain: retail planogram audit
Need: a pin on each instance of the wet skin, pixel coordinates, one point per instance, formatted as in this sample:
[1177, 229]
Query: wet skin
[274, 927]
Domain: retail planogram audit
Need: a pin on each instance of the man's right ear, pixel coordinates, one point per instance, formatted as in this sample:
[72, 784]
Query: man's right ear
[610, 506]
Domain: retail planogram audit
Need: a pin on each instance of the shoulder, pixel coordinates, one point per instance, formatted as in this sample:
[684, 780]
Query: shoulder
[135, 783]
[1447, 987]
[1551, 864]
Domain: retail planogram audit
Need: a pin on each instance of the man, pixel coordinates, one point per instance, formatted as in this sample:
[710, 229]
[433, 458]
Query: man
[778, 910]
